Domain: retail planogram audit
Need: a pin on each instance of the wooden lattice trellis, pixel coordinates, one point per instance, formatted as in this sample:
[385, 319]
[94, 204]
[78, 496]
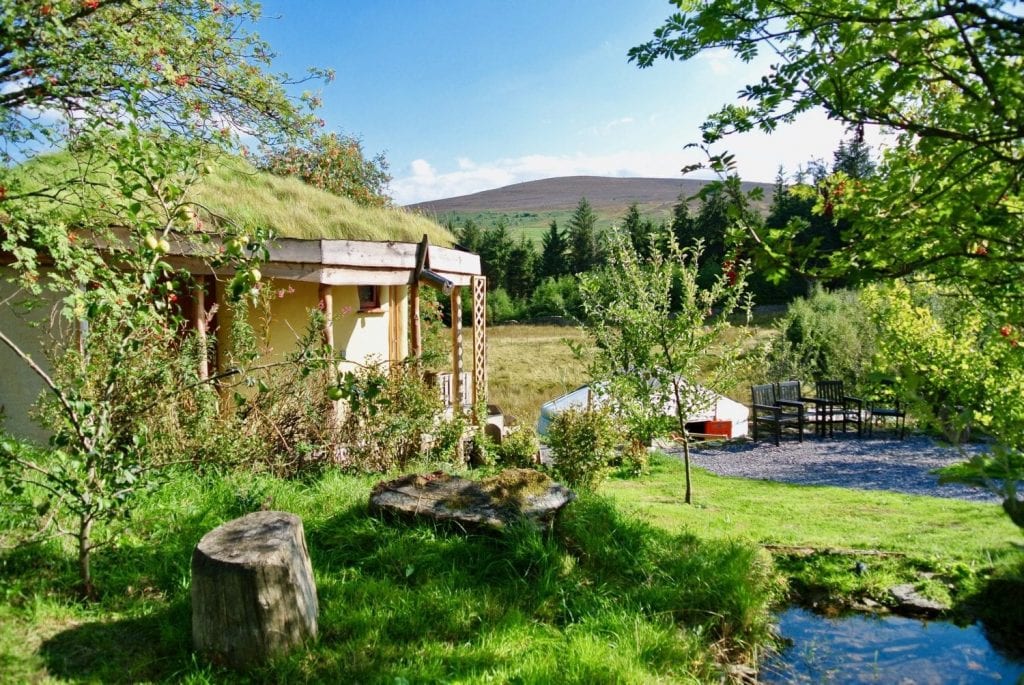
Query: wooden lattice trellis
[456, 300]
[479, 285]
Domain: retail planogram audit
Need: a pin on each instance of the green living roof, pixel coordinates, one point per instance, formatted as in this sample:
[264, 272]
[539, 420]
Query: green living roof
[235, 193]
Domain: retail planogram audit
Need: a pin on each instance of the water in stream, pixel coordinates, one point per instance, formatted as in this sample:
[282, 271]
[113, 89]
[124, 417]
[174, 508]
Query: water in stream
[885, 649]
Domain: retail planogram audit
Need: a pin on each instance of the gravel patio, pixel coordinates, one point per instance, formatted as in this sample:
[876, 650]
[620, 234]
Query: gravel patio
[844, 461]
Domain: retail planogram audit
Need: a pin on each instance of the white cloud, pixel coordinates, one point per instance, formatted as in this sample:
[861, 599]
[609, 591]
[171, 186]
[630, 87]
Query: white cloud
[606, 129]
[720, 61]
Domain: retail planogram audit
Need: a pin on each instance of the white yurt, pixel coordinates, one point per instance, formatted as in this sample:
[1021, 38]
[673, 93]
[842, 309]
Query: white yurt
[721, 416]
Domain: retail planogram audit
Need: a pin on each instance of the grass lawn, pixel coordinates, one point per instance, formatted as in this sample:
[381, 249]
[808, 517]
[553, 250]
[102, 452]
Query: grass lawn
[606, 599]
[809, 516]
[633, 587]
[965, 553]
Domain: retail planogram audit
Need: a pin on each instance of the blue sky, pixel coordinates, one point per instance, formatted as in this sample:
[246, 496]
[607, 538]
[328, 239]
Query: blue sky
[464, 95]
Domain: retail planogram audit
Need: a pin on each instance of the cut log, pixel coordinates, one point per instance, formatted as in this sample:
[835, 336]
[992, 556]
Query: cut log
[253, 595]
[513, 494]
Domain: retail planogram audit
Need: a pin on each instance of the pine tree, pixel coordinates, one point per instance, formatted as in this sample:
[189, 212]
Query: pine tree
[854, 158]
[470, 237]
[584, 250]
[494, 249]
[682, 222]
[521, 272]
[553, 258]
[632, 225]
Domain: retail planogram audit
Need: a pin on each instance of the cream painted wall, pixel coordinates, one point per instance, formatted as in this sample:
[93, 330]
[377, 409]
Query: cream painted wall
[20, 387]
[361, 337]
[364, 337]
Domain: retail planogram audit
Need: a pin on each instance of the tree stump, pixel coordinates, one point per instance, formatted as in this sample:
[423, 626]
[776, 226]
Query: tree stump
[253, 595]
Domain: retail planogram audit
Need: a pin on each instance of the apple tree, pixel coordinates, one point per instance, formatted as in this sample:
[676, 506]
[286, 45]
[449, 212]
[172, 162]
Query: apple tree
[110, 113]
[658, 335]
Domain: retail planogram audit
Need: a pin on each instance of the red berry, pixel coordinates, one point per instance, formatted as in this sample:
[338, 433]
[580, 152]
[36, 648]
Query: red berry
[181, 80]
[1006, 330]
[46, 10]
[90, 4]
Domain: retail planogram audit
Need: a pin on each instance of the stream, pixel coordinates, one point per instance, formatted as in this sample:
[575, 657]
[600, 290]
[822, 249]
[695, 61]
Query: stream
[885, 649]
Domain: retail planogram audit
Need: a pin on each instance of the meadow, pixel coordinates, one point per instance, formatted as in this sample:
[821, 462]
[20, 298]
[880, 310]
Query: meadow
[529, 365]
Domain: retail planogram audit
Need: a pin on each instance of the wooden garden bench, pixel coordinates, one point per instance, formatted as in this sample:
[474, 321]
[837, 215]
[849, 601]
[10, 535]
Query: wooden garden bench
[886, 405]
[767, 408]
[833, 405]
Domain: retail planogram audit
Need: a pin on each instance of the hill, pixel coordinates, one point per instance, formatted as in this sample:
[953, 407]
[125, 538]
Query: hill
[529, 207]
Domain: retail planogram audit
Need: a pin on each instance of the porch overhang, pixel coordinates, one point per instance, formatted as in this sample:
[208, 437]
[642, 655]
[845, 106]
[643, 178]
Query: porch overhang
[345, 262]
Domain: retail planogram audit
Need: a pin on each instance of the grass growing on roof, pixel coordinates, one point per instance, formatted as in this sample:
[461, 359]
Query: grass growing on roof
[293, 209]
[236, 196]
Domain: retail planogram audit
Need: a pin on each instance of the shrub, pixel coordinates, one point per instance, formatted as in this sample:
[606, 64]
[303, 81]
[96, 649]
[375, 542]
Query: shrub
[556, 297]
[940, 358]
[389, 409]
[519, 448]
[447, 444]
[583, 444]
[500, 306]
[635, 458]
[828, 335]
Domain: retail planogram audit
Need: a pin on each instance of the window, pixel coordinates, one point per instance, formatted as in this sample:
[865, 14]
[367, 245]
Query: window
[369, 298]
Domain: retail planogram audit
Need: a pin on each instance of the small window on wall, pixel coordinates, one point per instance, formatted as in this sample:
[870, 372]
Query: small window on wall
[369, 298]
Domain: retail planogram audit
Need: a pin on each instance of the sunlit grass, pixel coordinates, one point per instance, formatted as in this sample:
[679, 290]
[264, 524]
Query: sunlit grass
[967, 546]
[529, 365]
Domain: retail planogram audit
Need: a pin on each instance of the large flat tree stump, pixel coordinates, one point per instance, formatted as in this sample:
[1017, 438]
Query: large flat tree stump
[494, 502]
[253, 595]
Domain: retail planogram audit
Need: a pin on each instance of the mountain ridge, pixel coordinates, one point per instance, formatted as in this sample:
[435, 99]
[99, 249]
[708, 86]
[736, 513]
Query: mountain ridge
[562, 192]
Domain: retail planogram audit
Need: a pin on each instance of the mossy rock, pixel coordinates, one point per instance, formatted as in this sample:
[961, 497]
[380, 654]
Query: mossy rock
[495, 502]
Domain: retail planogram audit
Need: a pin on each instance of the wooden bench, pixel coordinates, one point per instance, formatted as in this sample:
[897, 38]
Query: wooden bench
[767, 408]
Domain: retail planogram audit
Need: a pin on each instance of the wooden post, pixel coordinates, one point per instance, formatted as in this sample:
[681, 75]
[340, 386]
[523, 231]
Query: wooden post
[456, 302]
[326, 305]
[479, 285]
[415, 327]
[199, 322]
[395, 324]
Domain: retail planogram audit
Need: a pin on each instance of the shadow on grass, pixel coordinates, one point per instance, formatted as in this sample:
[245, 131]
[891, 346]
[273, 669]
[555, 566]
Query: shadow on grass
[1000, 606]
[153, 647]
[425, 602]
